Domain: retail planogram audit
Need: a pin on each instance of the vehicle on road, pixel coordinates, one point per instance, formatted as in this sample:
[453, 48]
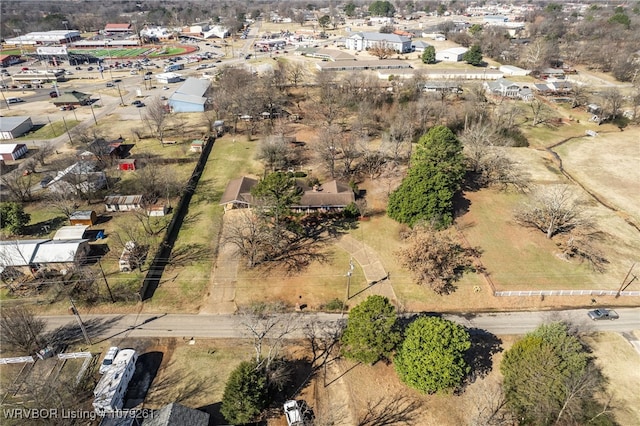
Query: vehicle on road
[603, 314]
[53, 94]
[14, 100]
[108, 359]
[293, 413]
[140, 105]
[110, 84]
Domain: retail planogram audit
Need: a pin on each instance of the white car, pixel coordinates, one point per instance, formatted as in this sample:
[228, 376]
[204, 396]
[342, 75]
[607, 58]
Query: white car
[108, 359]
[293, 413]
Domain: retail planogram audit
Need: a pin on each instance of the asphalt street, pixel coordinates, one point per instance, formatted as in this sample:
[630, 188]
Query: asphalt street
[231, 326]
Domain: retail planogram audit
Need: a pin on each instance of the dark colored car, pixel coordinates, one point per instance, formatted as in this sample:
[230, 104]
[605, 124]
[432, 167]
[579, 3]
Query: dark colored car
[603, 314]
[45, 181]
[53, 94]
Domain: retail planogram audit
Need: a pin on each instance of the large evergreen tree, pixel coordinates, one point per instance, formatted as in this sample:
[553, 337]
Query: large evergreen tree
[549, 378]
[276, 193]
[473, 56]
[13, 218]
[436, 173]
[381, 8]
[431, 357]
[245, 395]
[429, 55]
[371, 332]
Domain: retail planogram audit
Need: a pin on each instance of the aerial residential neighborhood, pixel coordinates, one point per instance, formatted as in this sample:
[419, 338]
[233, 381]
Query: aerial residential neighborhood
[290, 213]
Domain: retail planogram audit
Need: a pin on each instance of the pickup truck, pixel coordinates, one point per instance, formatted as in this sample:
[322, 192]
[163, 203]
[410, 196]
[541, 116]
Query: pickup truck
[603, 314]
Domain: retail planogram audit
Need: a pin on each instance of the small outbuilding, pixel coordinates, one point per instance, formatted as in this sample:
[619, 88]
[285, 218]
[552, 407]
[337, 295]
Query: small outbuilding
[83, 217]
[453, 54]
[14, 127]
[197, 145]
[123, 203]
[12, 151]
[62, 252]
[127, 164]
[73, 232]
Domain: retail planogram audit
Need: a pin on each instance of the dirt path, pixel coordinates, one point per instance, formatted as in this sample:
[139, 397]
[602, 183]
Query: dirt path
[221, 296]
[334, 401]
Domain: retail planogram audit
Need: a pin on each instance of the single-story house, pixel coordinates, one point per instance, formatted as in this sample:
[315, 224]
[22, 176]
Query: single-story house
[123, 203]
[83, 217]
[502, 87]
[552, 73]
[18, 253]
[61, 251]
[324, 54]
[14, 127]
[103, 150]
[73, 232]
[366, 40]
[72, 98]
[127, 164]
[510, 71]
[419, 45]
[175, 414]
[329, 196]
[442, 87]
[453, 54]
[12, 151]
[190, 96]
[80, 177]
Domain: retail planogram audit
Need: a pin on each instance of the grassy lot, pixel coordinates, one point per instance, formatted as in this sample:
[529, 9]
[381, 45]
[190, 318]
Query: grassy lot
[185, 285]
[50, 131]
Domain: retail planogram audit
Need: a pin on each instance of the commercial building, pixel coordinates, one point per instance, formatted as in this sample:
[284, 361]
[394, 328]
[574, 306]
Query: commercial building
[365, 41]
[45, 37]
[190, 97]
[453, 54]
[14, 127]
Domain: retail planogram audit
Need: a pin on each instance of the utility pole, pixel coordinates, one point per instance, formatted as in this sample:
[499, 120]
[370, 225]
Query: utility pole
[74, 311]
[67, 129]
[625, 280]
[106, 283]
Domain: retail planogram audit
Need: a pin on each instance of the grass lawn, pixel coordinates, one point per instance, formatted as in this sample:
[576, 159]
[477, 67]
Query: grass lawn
[186, 285]
[50, 131]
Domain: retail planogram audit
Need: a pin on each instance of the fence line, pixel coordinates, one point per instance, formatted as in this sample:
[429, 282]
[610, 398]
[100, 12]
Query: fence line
[74, 355]
[567, 293]
[16, 360]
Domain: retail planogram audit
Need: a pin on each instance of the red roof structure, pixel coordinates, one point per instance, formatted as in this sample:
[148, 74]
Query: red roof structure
[114, 28]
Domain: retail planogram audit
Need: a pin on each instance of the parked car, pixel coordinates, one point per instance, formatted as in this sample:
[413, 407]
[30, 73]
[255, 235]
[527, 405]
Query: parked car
[53, 94]
[140, 105]
[45, 181]
[90, 69]
[603, 314]
[14, 100]
[67, 107]
[110, 84]
[108, 359]
[293, 413]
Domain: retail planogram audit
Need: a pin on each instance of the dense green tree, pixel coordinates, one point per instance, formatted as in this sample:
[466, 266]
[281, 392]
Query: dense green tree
[621, 18]
[549, 378]
[324, 21]
[13, 217]
[475, 29]
[436, 173]
[431, 356]
[473, 56]
[381, 8]
[245, 394]
[350, 9]
[429, 55]
[371, 333]
[276, 193]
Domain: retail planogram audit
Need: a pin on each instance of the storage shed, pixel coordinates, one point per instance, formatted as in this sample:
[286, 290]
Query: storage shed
[62, 251]
[453, 54]
[14, 127]
[12, 151]
[127, 164]
[83, 217]
[197, 145]
[122, 203]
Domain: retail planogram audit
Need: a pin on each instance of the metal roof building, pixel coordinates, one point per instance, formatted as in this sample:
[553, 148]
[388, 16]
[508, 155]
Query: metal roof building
[18, 252]
[74, 232]
[62, 251]
[190, 97]
[13, 127]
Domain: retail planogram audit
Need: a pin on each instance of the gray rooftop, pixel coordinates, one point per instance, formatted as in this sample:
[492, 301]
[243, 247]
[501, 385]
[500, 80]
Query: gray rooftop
[7, 124]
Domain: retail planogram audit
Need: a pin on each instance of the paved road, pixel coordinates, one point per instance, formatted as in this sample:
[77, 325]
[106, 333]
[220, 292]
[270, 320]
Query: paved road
[230, 326]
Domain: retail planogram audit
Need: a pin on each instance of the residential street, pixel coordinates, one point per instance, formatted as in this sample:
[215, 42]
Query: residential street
[230, 326]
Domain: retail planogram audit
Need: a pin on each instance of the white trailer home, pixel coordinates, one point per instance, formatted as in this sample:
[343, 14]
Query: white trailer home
[112, 387]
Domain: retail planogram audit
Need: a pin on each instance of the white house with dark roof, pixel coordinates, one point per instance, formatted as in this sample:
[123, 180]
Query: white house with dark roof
[190, 97]
[363, 41]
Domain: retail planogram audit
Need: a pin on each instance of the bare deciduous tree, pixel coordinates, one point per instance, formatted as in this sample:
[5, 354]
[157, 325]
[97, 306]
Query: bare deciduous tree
[19, 186]
[41, 154]
[435, 258]
[490, 402]
[156, 115]
[63, 201]
[248, 234]
[382, 51]
[21, 328]
[553, 210]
